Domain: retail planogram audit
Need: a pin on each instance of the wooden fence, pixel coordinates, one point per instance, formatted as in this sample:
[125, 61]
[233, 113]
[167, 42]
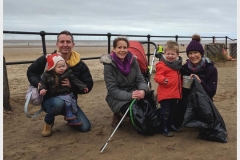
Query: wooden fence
[233, 50]
[213, 49]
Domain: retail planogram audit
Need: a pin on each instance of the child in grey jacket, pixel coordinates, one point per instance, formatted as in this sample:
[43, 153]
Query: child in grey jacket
[57, 70]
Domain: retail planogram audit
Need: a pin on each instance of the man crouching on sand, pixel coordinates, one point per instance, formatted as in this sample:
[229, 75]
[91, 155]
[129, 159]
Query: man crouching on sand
[54, 106]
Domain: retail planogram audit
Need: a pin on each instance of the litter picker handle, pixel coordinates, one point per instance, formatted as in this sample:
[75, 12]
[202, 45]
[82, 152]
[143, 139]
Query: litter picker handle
[104, 146]
[151, 66]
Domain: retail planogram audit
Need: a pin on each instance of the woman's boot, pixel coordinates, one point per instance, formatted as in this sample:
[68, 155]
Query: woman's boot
[116, 119]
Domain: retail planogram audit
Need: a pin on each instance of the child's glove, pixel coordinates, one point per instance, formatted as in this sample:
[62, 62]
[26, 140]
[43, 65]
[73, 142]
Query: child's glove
[85, 90]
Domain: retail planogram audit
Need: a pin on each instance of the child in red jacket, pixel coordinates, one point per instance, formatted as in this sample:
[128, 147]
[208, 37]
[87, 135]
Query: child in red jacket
[169, 82]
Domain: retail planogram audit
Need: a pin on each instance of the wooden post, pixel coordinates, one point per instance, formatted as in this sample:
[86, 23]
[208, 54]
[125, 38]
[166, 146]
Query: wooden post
[6, 92]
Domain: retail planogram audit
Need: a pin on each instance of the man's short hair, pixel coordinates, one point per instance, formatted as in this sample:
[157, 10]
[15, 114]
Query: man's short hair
[67, 33]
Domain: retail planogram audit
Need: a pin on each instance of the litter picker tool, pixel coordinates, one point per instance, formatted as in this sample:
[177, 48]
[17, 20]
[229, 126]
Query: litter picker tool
[104, 146]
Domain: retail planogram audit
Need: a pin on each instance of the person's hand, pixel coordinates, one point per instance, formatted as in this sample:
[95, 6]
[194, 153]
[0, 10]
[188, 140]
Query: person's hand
[85, 90]
[66, 82]
[199, 80]
[138, 94]
[141, 94]
[165, 81]
[43, 92]
[135, 94]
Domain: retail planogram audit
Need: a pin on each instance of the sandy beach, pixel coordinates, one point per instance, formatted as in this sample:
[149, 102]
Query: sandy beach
[22, 138]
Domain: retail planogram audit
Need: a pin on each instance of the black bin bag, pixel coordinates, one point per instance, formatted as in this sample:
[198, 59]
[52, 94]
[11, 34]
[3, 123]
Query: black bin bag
[201, 113]
[145, 116]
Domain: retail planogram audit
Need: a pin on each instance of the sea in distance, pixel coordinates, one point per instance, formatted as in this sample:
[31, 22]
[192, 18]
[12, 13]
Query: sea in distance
[96, 42]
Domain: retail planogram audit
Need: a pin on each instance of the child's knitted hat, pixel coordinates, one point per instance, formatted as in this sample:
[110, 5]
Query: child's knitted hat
[195, 45]
[52, 60]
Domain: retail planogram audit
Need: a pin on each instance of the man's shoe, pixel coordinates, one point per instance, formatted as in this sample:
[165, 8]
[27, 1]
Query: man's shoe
[47, 130]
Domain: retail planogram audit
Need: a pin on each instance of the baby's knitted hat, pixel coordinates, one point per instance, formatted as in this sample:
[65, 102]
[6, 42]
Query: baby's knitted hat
[52, 60]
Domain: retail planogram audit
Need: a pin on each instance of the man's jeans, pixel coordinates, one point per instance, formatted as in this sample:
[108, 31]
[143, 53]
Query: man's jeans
[54, 106]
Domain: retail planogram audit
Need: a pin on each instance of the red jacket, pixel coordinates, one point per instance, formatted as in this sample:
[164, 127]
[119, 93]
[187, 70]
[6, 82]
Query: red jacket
[173, 89]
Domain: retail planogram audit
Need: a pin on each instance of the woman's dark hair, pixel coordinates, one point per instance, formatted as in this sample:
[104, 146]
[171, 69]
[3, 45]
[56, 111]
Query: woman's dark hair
[67, 33]
[120, 39]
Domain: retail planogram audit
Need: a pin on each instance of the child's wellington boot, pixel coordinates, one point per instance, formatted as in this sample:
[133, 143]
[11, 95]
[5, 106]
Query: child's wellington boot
[175, 129]
[74, 122]
[165, 130]
[69, 115]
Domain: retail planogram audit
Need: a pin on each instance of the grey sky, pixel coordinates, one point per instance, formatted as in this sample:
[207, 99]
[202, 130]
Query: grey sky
[154, 17]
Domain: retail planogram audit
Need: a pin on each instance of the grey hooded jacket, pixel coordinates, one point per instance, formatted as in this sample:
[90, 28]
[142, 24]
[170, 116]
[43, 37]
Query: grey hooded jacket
[120, 87]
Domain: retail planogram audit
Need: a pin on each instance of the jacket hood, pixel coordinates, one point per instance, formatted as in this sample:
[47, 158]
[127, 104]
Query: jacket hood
[105, 58]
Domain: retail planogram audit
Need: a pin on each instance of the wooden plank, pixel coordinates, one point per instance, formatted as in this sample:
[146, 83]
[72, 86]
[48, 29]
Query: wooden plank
[213, 49]
[233, 50]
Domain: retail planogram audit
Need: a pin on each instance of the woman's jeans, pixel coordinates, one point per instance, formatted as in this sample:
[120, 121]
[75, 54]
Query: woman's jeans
[54, 106]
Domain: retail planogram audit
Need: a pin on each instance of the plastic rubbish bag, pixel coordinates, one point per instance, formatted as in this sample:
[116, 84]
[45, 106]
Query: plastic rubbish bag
[145, 116]
[201, 113]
